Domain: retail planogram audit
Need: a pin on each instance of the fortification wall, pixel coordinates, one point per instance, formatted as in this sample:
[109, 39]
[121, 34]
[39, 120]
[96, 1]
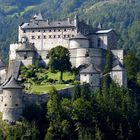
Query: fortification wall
[29, 99]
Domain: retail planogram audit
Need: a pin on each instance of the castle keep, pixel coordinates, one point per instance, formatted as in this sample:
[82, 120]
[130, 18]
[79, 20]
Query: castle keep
[88, 47]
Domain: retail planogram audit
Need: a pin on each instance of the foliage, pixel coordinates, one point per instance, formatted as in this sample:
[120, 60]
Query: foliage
[59, 59]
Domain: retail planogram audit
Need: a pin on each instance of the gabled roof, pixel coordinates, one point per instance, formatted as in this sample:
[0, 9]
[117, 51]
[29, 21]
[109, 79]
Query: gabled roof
[118, 68]
[36, 24]
[90, 70]
[39, 17]
[12, 84]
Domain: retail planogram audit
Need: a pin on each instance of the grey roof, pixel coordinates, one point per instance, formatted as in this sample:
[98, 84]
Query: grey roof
[90, 70]
[101, 31]
[39, 17]
[11, 84]
[26, 46]
[16, 69]
[79, 35]
[118, 68]
[36, 24]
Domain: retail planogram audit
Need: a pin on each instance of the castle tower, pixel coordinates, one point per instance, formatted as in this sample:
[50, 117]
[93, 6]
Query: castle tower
[25, 52]
[91, 75]
[119, 75]
[79, 46]
[12, 101]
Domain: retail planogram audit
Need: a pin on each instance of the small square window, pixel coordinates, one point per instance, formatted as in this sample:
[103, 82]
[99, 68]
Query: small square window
[58, 36]
[16, 104]
[54, 36]
[50, 36]
[65, 30]
[54, 30]
[5, 105]
[50, 30]
[44, 36]
[64, 36]
[38, 30]
[38, 37]
[33, 37]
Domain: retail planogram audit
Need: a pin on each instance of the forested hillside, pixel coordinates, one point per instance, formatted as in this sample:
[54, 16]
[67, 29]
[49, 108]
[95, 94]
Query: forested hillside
[122, 15]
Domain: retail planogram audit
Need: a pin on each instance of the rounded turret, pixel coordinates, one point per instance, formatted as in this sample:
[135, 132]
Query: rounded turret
[79, 41]
[12, 101]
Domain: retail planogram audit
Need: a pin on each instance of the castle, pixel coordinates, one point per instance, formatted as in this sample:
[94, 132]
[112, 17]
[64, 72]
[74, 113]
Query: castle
[88, 48]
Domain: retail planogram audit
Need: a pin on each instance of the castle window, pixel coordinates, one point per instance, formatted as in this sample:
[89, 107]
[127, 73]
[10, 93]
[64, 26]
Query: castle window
[38, 37]
[73, 29]
[72, 35]
[64, 36]
[38, 30]
[59, 30]
[44, 36]
[16, 104]
[44, 31]
[33, 31]
[85, 75]
[25, 56]
[54, 30]
[68, 36]
[47, 56]
[65, 30]
[50, 36]
[49, 30]
[54, 36]
[5, 105]
[99, 42]
[33, 37]
[58, 36]
[24, 31]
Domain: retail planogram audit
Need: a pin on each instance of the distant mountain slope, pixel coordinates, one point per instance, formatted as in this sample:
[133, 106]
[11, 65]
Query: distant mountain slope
[122, 15]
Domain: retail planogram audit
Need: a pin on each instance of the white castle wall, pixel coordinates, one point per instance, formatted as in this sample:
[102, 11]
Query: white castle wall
[12, 51]
[92, 79]
[79, 43]
[2, 75]
[46, 39]
[119, 77]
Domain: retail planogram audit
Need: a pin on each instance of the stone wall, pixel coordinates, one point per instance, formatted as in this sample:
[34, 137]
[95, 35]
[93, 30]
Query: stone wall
[119, 54]
[46, 39]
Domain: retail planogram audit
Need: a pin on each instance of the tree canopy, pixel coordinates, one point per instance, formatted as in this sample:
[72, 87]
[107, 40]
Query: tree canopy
[59, 59]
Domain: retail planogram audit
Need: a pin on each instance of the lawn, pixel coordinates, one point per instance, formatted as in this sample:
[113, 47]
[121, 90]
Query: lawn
[46, 88]
[56, 76]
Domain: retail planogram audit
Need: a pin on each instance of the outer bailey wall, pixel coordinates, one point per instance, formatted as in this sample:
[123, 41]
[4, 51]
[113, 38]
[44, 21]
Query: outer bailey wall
[29, 99]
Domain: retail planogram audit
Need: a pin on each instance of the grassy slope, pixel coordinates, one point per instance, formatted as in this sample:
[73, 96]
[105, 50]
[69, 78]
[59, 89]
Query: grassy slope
[46, 88]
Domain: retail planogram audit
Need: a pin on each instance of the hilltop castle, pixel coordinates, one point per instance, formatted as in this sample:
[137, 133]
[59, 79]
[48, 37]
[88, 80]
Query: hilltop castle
[88, 48]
